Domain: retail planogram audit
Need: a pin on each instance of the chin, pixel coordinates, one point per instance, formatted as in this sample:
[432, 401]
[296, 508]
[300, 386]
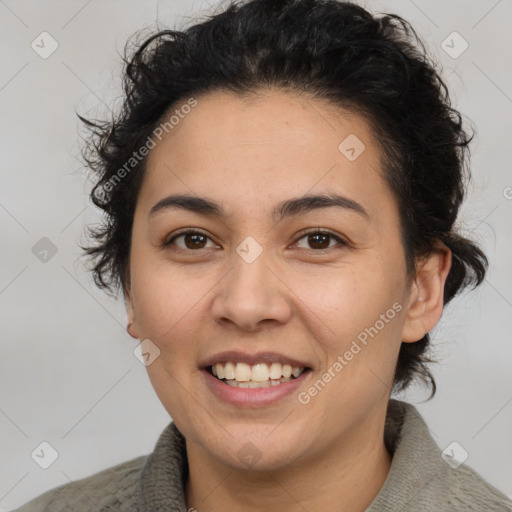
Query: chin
[252, 459]
[254, 449]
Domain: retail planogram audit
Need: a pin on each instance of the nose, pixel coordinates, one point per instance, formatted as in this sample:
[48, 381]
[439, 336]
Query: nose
[251, 295]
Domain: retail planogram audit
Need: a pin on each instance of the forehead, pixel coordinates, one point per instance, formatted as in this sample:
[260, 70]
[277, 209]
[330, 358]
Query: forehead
[273, 144]
[266, 117]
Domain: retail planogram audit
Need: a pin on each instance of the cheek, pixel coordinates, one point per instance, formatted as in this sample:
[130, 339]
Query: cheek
[167, 306]
[165, 296]
[346, 299]
[362, 316]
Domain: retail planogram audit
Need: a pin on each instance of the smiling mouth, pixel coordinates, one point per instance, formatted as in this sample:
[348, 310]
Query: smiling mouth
[261, 375]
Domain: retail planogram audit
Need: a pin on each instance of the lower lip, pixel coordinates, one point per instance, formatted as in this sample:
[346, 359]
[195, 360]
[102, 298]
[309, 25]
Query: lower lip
[252, 397]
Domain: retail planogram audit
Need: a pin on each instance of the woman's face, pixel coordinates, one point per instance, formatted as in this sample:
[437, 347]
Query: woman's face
[259, 285]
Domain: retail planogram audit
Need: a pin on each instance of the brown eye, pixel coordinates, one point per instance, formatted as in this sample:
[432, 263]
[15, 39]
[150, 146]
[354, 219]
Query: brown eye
[189, 240]
[194, 240]
[321, 240]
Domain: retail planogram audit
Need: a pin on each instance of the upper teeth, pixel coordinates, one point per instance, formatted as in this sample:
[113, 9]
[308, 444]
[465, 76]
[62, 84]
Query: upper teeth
[260, 372]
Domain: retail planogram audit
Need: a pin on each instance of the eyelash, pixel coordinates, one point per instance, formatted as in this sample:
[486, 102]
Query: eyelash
[186, 231]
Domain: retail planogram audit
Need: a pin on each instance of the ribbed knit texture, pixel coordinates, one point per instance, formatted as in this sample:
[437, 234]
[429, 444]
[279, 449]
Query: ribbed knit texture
[419, 480]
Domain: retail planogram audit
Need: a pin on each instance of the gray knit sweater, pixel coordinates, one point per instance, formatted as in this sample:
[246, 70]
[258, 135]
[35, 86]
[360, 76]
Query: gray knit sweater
[419, 479]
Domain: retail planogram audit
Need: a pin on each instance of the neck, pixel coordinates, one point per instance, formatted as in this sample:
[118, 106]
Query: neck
[347, 475]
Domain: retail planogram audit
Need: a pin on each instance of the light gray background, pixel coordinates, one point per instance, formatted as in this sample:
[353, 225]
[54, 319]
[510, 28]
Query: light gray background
[68, 373]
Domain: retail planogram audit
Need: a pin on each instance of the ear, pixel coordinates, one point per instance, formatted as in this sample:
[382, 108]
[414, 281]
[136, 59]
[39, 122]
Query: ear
[426, 294]
[130, 311]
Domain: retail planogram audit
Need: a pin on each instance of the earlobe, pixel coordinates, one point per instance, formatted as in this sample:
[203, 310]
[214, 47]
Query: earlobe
[427, 295]
[131, 327]
[132, 331]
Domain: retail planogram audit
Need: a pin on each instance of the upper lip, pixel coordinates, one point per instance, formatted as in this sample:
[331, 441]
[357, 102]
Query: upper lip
[252, 359]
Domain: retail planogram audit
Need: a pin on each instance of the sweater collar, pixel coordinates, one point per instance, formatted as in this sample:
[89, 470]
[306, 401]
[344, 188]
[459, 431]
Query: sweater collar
[416, 460]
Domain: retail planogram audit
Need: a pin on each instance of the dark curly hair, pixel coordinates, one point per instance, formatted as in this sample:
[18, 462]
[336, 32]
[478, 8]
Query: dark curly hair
[375, 66]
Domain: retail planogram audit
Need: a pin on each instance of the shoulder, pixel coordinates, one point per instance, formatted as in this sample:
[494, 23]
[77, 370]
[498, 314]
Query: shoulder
[466, 490]
[421, 478]
[114, 488]
[455, 485]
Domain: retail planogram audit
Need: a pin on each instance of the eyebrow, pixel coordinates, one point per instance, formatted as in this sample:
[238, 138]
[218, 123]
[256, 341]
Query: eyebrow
[287, 208]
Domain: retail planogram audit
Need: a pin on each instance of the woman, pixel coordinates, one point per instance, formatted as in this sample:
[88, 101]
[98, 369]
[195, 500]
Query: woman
[280, 190]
